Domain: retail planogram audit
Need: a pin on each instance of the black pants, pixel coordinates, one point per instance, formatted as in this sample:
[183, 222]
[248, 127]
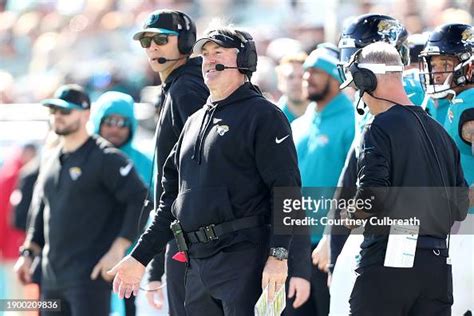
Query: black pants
[318, 302]
[228, 283]
[425, 289]
[91, 300]
[174, 280]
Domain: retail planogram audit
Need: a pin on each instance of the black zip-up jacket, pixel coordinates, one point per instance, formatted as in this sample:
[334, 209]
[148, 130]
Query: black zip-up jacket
[398, 167]
[183, 93]
[83, 201]
[229, 156]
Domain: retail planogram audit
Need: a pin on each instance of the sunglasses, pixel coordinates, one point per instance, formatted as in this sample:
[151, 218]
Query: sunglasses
[62, 111]
[116, 122]
[159, 39]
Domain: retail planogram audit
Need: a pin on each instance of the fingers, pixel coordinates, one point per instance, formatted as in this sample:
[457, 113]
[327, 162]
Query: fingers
[116, 283]
[96, 271]
[315, 259]
[114, 270]
[299, 300]
[291, 289]
[265, 279]
[271, 290]
[155, 298]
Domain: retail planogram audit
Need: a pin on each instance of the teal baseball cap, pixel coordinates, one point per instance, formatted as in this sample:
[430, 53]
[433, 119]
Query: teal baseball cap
[325, 57]
[161, 21]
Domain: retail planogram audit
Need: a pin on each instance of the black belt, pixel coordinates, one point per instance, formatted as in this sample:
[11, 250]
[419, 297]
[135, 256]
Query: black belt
[428, 242]
[213, 232]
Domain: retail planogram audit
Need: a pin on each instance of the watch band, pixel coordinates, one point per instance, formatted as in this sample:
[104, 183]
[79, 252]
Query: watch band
[26, 252]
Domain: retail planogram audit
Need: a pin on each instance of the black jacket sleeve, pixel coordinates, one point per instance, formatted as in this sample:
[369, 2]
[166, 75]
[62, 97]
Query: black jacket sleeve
[127, 188]
[159, 233]
[35, 223]
[275, 155]
[373, 167]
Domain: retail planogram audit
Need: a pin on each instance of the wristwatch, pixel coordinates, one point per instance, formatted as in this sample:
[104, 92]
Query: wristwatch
[26, 252]
[280, 253]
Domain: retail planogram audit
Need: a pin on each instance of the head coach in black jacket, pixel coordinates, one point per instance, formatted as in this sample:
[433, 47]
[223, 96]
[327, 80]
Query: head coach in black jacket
[409, 167]
[218, 183]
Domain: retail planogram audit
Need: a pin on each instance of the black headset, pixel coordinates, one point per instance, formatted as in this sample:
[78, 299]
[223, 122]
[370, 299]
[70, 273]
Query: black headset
[187, 34]
[247, 55]
[364, 79]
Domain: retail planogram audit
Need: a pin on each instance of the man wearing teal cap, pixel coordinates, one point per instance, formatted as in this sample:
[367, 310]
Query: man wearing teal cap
[322, 136]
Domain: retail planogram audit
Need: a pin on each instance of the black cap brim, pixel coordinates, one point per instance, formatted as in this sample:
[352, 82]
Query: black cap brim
[197, 48]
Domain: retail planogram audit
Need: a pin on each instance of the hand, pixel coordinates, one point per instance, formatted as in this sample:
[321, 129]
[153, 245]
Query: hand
[346, 220]
[301, 288]
[274, 275]
[23, 269]
[106, 263]
[128, 274]
[155, 295]
[320, 255]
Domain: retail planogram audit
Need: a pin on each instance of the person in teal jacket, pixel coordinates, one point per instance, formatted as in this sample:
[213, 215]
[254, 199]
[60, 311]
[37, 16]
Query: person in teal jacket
[322, 136]
[113, 118]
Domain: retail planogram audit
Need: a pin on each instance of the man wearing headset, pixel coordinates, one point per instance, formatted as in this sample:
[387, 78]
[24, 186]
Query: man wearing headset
[386, 164]
[218, 183]
[168, 38]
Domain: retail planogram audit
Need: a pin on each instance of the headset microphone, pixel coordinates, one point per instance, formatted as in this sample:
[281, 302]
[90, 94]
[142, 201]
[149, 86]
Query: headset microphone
[358, 109]
[162, 60]
[221, 67]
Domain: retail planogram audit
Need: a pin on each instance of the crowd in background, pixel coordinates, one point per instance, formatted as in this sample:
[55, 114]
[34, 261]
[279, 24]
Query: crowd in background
[89, 42]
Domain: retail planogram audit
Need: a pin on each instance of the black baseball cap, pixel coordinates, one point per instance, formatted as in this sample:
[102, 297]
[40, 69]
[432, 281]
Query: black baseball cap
[70, 96]
[222, 39]
[161, 21]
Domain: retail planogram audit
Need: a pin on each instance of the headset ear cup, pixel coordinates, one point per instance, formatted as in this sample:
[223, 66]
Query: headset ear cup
[364, 79]
[247, 56]
[187, 36]
[371, 80]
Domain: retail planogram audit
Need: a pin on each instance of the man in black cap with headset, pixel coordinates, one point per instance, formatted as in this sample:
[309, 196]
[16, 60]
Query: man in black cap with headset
[85, 210]
[218, 183]
[168, 38]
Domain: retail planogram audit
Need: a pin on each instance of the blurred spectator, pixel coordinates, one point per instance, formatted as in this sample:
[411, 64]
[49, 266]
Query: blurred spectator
[11, 238]
[293, 101]
[266, 78]
[280, 47]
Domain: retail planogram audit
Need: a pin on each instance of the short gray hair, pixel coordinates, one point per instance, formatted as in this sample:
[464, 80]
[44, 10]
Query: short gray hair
[381, 53]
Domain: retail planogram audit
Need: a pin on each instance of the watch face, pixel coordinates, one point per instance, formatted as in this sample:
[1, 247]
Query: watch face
[280, 253]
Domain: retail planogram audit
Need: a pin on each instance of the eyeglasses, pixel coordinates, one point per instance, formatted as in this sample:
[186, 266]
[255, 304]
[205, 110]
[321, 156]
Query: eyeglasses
[62, 111]
[116, 122]
[159, 39]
